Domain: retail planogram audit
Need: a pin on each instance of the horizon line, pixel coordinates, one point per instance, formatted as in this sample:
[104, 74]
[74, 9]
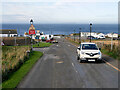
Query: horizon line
[59, 23]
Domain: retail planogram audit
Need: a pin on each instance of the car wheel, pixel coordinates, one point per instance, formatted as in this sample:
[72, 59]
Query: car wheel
[99, 61]
[80, 61]
[78, 58]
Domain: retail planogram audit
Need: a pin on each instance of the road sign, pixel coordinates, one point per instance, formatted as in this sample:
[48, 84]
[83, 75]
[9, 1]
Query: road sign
[31, 31]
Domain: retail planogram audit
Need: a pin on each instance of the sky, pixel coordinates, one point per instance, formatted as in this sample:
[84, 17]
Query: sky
[60, 11]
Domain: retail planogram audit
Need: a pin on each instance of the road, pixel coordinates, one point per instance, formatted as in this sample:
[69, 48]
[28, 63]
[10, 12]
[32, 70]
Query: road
[59, 68]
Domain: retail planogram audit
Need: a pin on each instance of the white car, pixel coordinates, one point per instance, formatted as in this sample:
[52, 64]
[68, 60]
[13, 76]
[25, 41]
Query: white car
[101, 37]
[88, 52]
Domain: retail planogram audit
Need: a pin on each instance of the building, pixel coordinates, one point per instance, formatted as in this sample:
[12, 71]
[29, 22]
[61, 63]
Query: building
[8, 33]
[86, 34]
[114, 35]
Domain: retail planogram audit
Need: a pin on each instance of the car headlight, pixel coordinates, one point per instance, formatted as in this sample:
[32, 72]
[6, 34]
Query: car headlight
[82, 52]
[99, 53]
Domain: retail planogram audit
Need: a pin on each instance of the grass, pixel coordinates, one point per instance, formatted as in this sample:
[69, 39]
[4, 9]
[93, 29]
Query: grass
[42, 44]
[17, 76]
[110, 53]
[12, 58]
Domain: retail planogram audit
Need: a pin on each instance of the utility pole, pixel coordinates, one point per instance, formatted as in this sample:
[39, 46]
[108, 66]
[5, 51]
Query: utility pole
[80, 36]
[90, 30]
[112, 42]
[74, 35]
[15, 40]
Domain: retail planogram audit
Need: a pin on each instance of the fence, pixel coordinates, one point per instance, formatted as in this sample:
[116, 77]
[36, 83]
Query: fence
[16, 41]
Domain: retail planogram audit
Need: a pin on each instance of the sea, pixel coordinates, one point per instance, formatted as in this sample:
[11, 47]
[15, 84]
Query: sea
[65, 29]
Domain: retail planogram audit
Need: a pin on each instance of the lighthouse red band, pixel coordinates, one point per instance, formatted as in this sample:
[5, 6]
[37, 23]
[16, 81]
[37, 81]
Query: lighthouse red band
[31, 31]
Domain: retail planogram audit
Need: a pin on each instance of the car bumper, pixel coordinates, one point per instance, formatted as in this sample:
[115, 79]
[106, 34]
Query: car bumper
[91, 59]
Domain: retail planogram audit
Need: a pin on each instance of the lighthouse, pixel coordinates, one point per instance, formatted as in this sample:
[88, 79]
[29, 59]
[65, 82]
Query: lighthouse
[32, 28]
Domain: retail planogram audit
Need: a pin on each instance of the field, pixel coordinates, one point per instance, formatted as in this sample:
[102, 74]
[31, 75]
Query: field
[12, 58]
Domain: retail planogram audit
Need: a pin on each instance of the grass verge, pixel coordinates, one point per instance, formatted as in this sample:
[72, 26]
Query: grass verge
[42, 44]
[12, 58]
[17, 76]
[111, 54]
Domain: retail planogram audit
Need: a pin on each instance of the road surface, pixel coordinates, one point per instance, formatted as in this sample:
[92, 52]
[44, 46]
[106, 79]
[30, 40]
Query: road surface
[59, 68]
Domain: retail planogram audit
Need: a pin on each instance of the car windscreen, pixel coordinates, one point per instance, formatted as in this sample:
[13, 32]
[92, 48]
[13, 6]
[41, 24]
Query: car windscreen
[89, 47]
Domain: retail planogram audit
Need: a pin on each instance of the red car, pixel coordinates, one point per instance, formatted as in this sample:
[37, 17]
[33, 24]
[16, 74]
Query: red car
[49, 40]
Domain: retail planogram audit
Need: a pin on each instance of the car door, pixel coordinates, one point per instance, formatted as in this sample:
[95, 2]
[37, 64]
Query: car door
[78, 49]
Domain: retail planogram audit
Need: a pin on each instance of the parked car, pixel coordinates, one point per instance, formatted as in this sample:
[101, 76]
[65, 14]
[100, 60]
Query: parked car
[101, 37]
[54, 41]
[43, 39]
[91, 37]
[88, 52]
[49, 40]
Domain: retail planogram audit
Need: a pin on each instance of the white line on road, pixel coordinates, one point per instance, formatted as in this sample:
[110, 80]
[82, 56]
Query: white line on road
[111, 65]
[72, 64]
[74, 68]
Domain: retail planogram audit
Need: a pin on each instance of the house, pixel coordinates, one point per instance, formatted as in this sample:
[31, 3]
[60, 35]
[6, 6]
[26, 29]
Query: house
[8, 33]
[114, 35]
[86, 34]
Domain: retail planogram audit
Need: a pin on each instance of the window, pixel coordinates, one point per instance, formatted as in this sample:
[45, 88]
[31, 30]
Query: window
[89, 46]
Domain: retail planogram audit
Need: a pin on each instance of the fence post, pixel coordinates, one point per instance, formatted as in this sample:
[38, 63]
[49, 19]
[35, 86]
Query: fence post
[112, 42]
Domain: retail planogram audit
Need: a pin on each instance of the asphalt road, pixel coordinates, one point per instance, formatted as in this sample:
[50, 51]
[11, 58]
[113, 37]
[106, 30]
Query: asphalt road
[59, 68]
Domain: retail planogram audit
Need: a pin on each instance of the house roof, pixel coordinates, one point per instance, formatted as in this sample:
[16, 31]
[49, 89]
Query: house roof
[8, 31]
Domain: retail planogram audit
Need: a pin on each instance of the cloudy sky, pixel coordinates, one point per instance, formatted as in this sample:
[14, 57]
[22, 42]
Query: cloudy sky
[60, 11]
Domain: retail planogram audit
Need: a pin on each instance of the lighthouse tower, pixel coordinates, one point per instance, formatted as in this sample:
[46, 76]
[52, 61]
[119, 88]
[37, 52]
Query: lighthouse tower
[32, 28]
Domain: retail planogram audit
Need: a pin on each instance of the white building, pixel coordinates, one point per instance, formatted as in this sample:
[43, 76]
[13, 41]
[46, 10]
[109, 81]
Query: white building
[114, 35]
[86, 34]
[8, 33]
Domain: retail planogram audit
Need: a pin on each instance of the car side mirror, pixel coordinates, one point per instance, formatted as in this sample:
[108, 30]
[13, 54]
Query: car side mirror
[78, 48]
[99, 48]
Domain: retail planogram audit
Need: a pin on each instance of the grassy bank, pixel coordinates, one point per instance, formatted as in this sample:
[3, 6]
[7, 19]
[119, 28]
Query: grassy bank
[41, 44]
[112, 54]
[17, 76]
[12, 58]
